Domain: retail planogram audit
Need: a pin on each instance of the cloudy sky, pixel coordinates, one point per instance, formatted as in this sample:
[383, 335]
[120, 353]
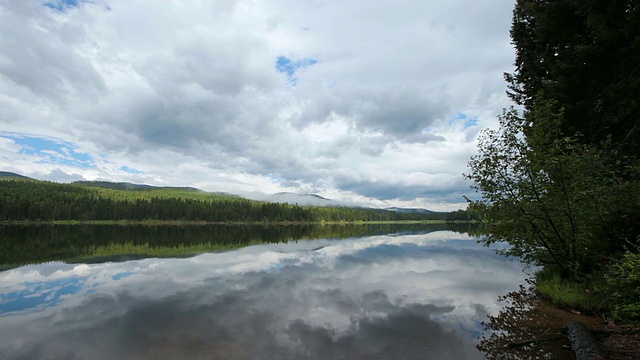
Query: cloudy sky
[375, 103]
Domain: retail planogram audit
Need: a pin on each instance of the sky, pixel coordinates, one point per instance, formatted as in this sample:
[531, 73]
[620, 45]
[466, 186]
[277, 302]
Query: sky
[375, 103]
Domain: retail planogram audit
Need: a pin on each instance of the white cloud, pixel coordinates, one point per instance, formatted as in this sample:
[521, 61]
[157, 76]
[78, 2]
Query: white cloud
[189, 94]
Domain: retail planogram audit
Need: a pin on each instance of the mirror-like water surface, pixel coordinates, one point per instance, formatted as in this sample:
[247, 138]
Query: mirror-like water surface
[397, 296]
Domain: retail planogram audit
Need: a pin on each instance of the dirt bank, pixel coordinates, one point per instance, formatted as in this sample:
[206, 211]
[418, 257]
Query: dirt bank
[531, 328]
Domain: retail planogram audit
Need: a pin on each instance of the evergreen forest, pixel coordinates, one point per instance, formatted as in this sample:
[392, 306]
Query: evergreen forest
[25, 200]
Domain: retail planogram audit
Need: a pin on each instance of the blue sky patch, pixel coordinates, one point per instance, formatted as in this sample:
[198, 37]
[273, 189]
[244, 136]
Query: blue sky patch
[465, 119]
[275, 178]
[274, 268]
[289, 67]
[130, 170]
[61, 5]
[50, 151]
[39, 295]
[123, 275]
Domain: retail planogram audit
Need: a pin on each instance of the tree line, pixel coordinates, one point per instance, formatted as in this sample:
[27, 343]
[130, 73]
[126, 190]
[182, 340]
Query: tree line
[28, 200]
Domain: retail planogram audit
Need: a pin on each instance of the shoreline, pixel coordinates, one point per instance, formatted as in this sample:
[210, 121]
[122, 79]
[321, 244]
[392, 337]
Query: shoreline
[233, 223]
[534, 329]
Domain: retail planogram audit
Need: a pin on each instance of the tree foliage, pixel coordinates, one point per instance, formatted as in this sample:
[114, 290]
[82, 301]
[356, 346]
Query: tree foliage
[624, 280]
[559, 181]
[585, 56]
[549, 196]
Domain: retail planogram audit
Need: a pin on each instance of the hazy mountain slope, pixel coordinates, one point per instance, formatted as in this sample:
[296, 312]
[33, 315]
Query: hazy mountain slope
[302, 199]
[6, 174]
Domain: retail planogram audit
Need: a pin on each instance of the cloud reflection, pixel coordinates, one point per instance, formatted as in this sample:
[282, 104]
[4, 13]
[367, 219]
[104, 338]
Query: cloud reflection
[384, 297]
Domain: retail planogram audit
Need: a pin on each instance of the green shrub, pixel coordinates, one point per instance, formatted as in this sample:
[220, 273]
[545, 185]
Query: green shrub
[624, 282]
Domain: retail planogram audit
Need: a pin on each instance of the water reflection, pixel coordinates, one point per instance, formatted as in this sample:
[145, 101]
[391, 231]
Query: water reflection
[21, 245]
[528, 328]
[420, 296]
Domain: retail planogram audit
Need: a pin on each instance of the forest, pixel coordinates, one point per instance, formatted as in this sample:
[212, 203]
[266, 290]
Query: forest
[25, 200]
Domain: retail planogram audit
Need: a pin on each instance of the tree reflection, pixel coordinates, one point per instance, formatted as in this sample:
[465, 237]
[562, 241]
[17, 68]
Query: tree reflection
[20, 245]
[524, 329]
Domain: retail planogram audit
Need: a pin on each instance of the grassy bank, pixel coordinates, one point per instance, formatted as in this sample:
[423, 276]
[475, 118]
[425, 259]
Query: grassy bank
[583, 296]
[611, 292]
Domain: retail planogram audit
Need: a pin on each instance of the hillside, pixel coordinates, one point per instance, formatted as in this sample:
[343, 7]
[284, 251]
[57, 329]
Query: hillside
[6, 174]
[103, 201]
[131, 187]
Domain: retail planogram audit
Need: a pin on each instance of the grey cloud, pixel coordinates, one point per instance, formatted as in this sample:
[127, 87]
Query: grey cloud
[234, 126]
[248, 324]
[424, 138]
[342, 145]
[484, 29]
[176, 127]
[451, 192]
[337, 147]
[399, 112]
[193, 113]
[459, 255]
[292, 184]
[220, 67]
[43, 54]
[406, 333]
[378, 190]
[373, 146]
[290, 164]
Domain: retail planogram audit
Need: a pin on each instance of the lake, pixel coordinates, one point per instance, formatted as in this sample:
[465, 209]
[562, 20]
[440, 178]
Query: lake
[211, 292]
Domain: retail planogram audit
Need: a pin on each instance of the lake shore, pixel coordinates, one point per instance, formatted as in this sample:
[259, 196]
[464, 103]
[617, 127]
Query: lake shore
[199, 223]
[616, 342]
[535, 327]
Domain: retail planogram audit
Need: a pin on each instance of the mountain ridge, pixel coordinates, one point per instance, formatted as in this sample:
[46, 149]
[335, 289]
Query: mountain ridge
[305, 199]
[411, 210]
[302, 199]
[8, 174]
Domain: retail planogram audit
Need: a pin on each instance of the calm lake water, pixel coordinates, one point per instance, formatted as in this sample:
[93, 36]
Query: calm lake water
[369, 292]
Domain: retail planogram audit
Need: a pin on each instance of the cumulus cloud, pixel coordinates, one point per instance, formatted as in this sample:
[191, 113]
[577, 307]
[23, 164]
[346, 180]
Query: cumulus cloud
[236, 93]
[45, 55]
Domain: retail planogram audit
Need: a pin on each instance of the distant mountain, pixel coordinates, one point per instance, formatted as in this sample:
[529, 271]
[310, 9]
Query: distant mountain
[6, 174]
[301, 199]
[124, 185]
[411, 210]
[282, 197]
[143, 187]
[130, 186]
[317, 200]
